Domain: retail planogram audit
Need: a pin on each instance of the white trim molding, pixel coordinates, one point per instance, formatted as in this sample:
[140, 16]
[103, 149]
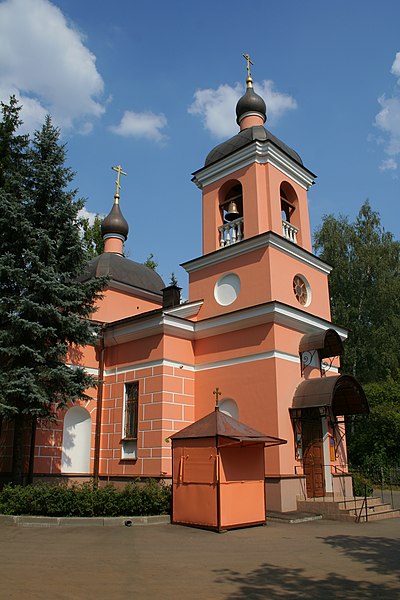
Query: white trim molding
[263, 240]
[261, 152]
[204, 366]
[165, 323]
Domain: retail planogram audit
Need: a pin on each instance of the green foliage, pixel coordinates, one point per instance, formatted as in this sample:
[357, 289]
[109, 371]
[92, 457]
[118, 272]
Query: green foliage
[373, 440]
[86, 500]
[43, 305]
[364, 291]
[173, 280]
[150, 262]
[92, 237]
[362, 485]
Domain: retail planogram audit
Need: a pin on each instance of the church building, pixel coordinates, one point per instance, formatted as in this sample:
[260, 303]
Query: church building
[256, 325]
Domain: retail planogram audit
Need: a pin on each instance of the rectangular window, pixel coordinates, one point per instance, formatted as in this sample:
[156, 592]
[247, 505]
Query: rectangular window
[131, 410]
[130, 422]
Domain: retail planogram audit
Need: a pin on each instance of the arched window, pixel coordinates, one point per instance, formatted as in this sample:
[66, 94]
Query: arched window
[229, 407]
[232, 205]
[76, 441]
[231, 208]
[290, 214]
[286, 207]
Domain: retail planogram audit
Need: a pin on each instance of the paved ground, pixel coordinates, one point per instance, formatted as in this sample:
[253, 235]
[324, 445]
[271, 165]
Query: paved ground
[322, 560]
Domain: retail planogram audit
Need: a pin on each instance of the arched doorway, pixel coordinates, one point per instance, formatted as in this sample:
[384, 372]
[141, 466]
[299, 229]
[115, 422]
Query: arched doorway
[317, 403]
[76, 441]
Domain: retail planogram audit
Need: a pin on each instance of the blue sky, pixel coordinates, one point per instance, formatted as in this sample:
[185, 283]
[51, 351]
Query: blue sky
[153, 86]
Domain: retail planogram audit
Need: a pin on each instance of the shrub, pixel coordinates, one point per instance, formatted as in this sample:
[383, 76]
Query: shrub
[86, 500]
[361, 485]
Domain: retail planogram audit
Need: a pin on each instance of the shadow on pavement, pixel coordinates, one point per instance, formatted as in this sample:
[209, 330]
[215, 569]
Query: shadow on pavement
[378, 554]
[277, 583]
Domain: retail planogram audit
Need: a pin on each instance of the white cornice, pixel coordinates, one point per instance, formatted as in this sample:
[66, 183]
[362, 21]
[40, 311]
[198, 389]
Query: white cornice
[204, 366]
[249, 245]
[88, 370]
[146, 365]
[188, 309]
[270, 312]
[256, 152]
[248, 358]
[229, 362]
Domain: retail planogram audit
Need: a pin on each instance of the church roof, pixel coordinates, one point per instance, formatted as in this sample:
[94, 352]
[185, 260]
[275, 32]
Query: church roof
[121, 269]
[246, 137]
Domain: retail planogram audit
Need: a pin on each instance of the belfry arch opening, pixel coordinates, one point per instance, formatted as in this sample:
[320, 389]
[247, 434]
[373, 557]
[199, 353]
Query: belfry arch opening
[289, 212]
[231, 229]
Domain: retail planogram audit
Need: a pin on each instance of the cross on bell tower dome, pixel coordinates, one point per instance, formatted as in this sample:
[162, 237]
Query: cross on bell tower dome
[250, 109]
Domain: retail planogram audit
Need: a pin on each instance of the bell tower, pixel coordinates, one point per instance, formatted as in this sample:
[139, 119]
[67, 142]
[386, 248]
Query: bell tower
[263, 300]
[254, 204]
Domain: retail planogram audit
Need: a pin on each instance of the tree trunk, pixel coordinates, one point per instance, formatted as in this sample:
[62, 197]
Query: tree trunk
[18, 450]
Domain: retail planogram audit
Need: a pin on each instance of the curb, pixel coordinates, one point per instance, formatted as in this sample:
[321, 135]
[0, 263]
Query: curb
[31, 521]
[292, 517]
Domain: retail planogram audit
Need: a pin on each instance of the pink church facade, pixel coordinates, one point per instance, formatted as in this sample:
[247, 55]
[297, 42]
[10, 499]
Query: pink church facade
[256, 325]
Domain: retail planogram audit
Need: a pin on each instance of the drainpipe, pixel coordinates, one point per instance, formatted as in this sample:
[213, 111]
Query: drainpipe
[32, 450]
[97, 437]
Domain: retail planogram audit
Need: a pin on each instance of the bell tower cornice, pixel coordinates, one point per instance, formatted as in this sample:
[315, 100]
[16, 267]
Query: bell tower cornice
[257, 152]
[262, 241]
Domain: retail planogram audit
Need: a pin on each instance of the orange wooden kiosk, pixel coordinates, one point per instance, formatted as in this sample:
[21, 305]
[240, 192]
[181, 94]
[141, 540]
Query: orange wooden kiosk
[218, 473]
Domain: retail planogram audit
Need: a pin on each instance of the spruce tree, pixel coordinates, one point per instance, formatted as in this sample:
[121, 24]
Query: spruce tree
[44, 308]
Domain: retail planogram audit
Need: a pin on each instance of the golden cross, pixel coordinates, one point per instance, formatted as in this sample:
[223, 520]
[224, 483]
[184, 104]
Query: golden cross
[249, 62]
[217, 393]
[120, 172]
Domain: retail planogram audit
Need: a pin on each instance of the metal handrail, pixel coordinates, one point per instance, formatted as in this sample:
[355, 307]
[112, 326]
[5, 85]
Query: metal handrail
[364, 503]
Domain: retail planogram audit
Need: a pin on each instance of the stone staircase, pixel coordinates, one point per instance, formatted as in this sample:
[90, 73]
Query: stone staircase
[349, 509]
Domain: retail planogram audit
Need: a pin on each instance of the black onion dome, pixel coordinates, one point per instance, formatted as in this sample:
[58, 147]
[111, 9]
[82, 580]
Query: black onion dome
[123, 270]
[115, 222]
[250, 103]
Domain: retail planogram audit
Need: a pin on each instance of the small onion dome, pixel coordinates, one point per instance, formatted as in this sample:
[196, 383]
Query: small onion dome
[115, 223]
[250, 104]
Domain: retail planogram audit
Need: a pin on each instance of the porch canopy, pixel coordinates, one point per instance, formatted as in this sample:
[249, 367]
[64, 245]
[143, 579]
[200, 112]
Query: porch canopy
[341, 393]
[328, 343]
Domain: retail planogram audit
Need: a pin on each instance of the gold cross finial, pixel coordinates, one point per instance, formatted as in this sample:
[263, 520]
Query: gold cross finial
[217, 393]
[120, 172]
[249, 62]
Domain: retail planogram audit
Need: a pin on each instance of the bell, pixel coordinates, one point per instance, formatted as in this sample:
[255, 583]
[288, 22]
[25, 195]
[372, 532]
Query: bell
[232, 213]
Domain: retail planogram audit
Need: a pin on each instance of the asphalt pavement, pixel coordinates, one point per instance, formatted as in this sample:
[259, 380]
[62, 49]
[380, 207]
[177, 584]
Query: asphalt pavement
[313, 560]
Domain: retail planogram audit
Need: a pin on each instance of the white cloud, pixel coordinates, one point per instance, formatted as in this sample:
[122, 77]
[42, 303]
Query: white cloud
[389, 164]
[141, 125]
[216, 107]
[396, 65]
[86, 214]
[277, 102]
[45, 62]
[388, 121]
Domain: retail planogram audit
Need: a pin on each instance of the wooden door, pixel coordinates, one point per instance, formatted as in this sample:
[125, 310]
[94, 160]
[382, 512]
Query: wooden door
[313, 453]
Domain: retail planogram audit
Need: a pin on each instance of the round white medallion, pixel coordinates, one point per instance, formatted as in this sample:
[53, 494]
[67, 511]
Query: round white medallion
[227, 289]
